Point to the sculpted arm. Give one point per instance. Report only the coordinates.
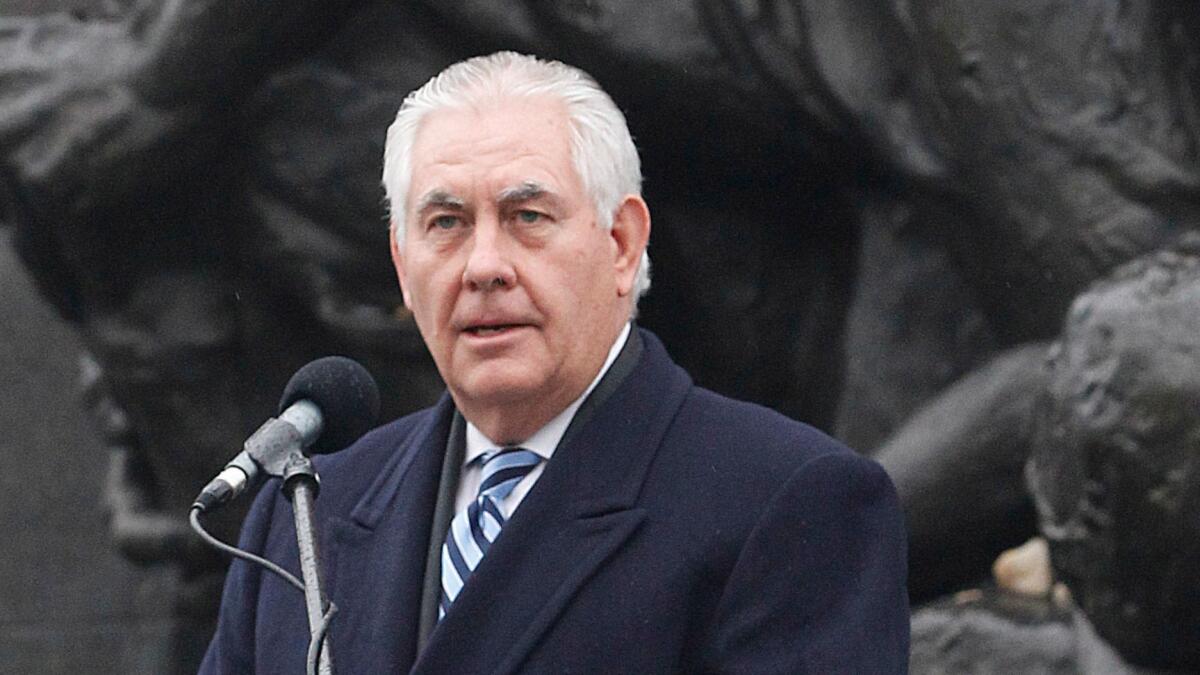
(958, 464)
(96, 114)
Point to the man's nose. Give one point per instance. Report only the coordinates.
(489, 265)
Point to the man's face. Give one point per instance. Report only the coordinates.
(517, 291)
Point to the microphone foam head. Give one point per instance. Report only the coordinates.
(346, 394)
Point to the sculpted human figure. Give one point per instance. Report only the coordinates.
(1105, 588)
(1114, 463)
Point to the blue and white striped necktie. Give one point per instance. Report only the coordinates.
(473, 530)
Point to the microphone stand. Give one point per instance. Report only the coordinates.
(300, 485)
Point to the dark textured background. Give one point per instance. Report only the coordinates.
(68, 602)
(869, 221)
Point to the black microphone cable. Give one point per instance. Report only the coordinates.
(194, 519)
(318, 637)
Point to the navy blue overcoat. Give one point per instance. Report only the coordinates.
(677, 531)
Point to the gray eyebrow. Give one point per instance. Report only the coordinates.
(440, 198)
(524, 192)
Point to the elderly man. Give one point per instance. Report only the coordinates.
(574, 504)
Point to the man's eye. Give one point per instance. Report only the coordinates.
(527, 216)
(446, 222)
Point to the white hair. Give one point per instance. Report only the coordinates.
(602, 150)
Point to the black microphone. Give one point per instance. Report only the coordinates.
(326, 406)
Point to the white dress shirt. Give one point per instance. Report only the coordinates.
(543, 442)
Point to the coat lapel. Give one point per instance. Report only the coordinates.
(378, 556)
(577, 515)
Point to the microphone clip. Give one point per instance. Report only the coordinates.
(275, 449)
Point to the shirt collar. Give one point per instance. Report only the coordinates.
(545, 440)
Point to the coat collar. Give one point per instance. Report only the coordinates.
(377, 562)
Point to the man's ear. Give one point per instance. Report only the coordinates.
(631, 233)
(398, 263)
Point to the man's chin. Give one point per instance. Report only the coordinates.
(500, 384)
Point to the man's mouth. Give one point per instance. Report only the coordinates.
(492, 329)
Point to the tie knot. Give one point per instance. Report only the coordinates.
(505, 468)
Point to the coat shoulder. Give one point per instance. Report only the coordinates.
(750, 438)
(747, 458)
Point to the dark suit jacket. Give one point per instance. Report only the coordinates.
(676, 531)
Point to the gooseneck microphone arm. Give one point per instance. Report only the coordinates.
(326, 406)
